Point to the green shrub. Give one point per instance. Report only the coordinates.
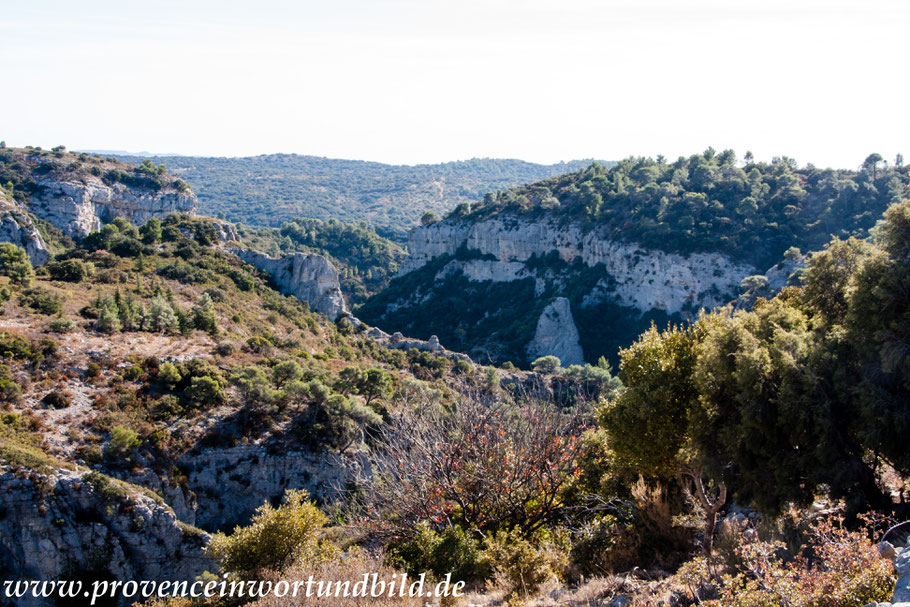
(519, 565)
(42, 300)
(276, 538)
(61, 325)
(166, 408)
(169, 375)
(69, 270)
(204, 317)
(449, 551)
(109, 489)
(14, 346)
(259, 344)
(9, 389)
(14, 262)
(123, 441)
(151, 231)
(204, 391)
(546, 364)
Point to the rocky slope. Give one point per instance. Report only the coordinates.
(307, 276)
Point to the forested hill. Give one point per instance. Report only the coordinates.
(272, 189)
(712, 202)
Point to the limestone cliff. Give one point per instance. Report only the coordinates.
(84, 204)
(644, 279)
(557, 335)
(307, 276)
(17, 227)
(63, 525)
(482, 285)
(230, 483)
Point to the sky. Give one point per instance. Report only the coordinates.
(422, 81)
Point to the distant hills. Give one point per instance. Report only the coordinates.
(272, 189)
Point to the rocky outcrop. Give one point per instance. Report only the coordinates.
(784, 273)
(60, 526)
(230, 483)
(227, 232)
(902, 588)
(307, 276)
(397, 341)
(644, 279)
(80, 207)
(17, 227)
(557, 334)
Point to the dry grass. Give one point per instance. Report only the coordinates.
(351, 569)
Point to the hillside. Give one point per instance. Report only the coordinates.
(149, 369)
(645, 240)
(272, 189)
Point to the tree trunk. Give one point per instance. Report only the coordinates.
(710, 524)
(710, 501)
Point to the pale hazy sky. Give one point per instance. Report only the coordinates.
(409, 81)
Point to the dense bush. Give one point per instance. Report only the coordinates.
(9, 389)
(61, 325)
(42, 300)
(450, 550)
(123, 441)
(14, 262)
(276, 538)
(70, 270)
(786, 400)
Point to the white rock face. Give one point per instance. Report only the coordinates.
(641, 278)
(557, 334)
(80, 207)
(307, 276)
(231, 483)
(17, 227)
(57, 523)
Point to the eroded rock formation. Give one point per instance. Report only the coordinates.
(81, 206)
(17, 227)
(557, 334)
(307, 276)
